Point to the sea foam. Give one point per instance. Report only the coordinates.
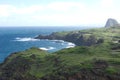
(70, 45)
(47, 48)
(25, 39)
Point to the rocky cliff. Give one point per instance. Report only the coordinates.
(77, 37)
(111, 23)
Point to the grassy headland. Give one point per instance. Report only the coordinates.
(98, 58)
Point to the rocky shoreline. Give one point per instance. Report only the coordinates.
(77, 37)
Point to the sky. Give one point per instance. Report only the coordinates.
(58, 12)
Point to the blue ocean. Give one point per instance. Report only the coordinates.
(14, 39)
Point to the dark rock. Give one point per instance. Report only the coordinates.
(101, 40)
(111, 23)
(78, 39)
(100, 64)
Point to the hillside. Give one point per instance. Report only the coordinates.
(99, 59)
(86, 37)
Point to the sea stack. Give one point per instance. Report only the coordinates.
(111, 23)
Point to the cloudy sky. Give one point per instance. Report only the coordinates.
(57, 12)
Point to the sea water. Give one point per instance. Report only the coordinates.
(14, 39)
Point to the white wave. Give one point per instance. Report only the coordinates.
(25, 39)
(43, 48)
(70, 45)
(58, 41)
(46, 49)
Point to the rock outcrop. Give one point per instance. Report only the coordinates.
(111, 23)
(78, 38)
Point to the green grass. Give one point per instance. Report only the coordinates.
(111, 70)
(38, 63)
(70, 60)
(108, 34)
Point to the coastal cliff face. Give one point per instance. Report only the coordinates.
(77, 37)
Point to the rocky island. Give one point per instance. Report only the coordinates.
(111, 23)
(96, 57)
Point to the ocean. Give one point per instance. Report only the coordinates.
(15, 39)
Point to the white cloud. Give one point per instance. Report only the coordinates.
(33, 9)
(65, 6)
(5, 10)
(60, 13)
(107, 3)
(8, 10)
(57, 18)
(29, 10)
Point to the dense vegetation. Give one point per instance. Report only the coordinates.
(100, 61)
